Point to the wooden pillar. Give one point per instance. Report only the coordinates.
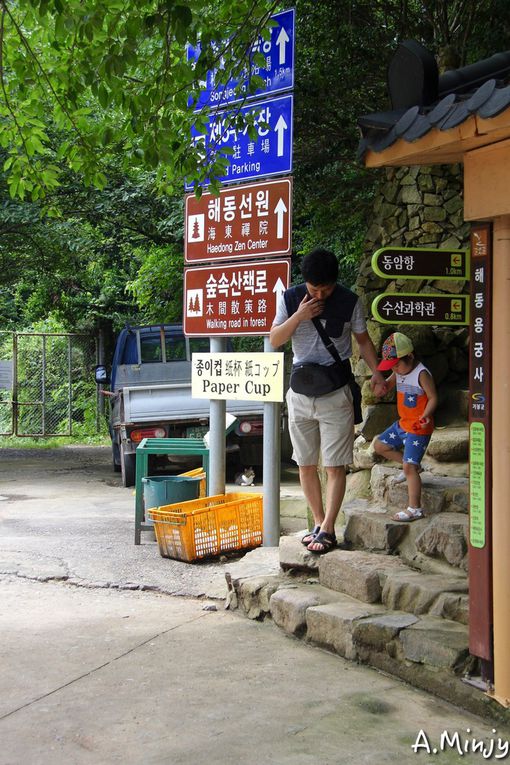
(501, 458)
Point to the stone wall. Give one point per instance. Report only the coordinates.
(418, 207)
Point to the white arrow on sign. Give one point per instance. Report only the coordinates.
(280, 211)
(280, 128)
(281, 41)
(279, 287)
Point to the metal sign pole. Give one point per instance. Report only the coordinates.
(271, 468)
(217, 427)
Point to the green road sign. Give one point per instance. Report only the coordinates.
(417, 308)
(420, 263)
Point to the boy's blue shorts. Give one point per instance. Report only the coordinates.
(414, 445)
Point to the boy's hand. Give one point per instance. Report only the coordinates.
(420, 424)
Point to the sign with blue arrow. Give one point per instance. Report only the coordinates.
(277, 72)
(270, 153)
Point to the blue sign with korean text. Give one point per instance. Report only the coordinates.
(277, 72)
(270, 153)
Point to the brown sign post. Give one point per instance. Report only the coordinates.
(233, 299)
(249, 221)
(480, 469)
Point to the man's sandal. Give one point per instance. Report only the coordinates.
(327, 542)
(310, 536)
(411, 514)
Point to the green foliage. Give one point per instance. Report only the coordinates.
(158, 286)
(84, 79)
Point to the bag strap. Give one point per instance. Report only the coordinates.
(328, 342)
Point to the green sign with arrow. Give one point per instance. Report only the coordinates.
(418, 308)
(421, 263)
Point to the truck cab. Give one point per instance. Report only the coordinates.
(149, 389)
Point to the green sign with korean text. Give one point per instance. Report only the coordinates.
(421, 263)
(477, 484)
(418, 308)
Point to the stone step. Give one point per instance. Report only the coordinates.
(356, 573)
(372, 578)
(434, 544)
(417, 632)
(419, 593)
(439, 493)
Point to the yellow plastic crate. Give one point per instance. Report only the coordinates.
(208, 526)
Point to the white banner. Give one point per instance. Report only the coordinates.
(244, 376)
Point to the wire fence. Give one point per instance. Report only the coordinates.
(47, 385)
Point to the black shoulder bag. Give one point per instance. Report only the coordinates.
(319, 379)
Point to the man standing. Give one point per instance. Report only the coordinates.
(322, 423)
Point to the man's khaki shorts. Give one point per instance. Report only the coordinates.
(322, 424)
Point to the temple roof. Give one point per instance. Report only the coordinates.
(436, 118)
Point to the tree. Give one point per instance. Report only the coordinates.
(81, 80)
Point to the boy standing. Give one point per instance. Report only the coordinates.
(407, 439)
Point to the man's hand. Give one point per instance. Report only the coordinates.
(378, 384)
(309, 308)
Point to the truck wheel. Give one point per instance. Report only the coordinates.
(116, 458)
(128, 467)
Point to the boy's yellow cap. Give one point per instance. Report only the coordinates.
(395, 347)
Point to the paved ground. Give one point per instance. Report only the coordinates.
(96, 672)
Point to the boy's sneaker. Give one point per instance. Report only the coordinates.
(401, 476)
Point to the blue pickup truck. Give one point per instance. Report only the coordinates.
(149, 389)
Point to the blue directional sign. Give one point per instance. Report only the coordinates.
(269, 154)
(278, 72)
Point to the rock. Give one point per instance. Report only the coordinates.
(356, 573)
(357, 485)
(446, 537)
(377, 418)
(450, 445)
(254, 593)
(437, 642)
(288, 606)
(294, 555)
(377, 631)
(416, 592)
(331, 625)
(373, 532)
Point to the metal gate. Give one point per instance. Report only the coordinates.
(47, 383)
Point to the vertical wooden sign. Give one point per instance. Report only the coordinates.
(480, 469)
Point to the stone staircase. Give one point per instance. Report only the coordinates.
(394, 596)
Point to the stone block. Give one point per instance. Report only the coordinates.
(331, 625)
(417, 592)
(451, 606)
(252, 595)
(356, 573)
(436, 642)
(294, 555)
(446, 537)
(364, 456)
(449, 445)
(373, 532)
(357, 485)
(288, 606)
(377, 631)
(377, 418)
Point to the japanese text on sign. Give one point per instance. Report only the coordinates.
(244, 376)
(243, 221)
(233, 299)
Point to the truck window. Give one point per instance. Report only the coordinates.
(175, 348)
(199, 345)
(150, 349)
